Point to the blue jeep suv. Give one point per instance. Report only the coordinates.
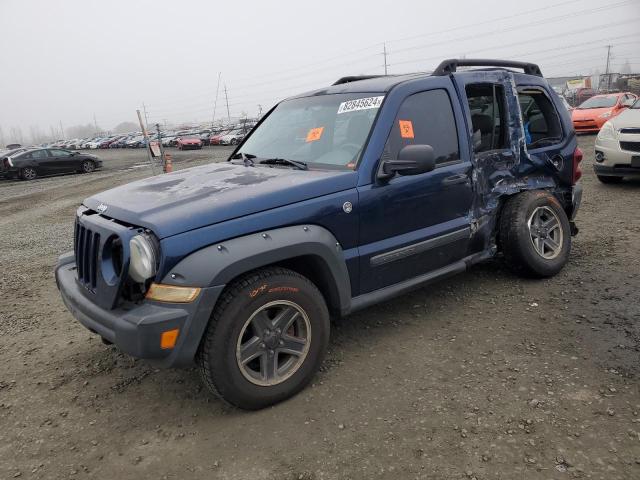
(339, 198)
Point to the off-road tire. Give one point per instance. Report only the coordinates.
(515, 236)
(216, 358)
(609, 179)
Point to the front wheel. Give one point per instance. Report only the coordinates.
(535, 234)
(266, 339)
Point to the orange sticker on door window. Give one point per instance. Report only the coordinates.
(406, 128)
(314, 134)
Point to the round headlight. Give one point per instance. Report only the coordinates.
(142, 264)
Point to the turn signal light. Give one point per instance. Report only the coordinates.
(171, 293)
(168, 339)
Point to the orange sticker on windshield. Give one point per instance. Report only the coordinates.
(406, 128)
(314, 134)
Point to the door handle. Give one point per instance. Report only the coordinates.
(455, 179)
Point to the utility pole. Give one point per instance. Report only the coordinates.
(146, 117)
(61, 130)
(606, 71)
(227, 100)
(95, 123)
(384, 53)
(215, 103)
(259, 111)
(146, 136)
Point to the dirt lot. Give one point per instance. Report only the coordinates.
(483, 376)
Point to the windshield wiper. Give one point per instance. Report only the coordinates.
(284, 161)
(247, 158)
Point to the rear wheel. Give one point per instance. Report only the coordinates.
(88, 166)
(609, 179)
(28, 173)
(266, 339)
(535, 234)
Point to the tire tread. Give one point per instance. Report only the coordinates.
(203, 356)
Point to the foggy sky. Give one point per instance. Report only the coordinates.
(66, 60)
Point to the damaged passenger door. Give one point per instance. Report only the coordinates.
(494, 127)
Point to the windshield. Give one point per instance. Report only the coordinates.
(323, 130)
(636, 105)
(599, 102)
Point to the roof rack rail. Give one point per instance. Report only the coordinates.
(355, 78)
(450, 65)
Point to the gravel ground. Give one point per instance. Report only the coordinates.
(483, 376)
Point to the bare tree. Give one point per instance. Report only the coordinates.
(15, 135)
(81, 131)
(125, 127)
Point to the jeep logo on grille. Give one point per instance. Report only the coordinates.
(102, 208)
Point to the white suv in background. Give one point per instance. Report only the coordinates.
(617, 148)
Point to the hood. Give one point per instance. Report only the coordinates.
(628, 118)
(578, 114)
(196, 197)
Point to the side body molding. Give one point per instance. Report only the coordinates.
(220, 263)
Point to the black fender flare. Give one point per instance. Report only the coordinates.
(220, 263)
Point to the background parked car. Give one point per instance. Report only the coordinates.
(592, 114)
(48, 161)
(617, 147)
(189, 142)
(232, 138)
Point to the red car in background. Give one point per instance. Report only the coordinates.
(215, 138)
(188, 143)
(591, 115)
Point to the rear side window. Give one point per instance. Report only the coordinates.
(60, 153)
(425, 118)
(36, 154)
(488, 121)
(539, 118)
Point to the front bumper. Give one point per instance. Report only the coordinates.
(616, 171)
(136, 328)
(612, 160)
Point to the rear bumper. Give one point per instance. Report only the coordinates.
(622, 171)
(136, 328)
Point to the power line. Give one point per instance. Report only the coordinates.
(492, 21)
(544, 21)
(529, 41)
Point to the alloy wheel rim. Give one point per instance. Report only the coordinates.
(29, 173)
(545, 232)
(273, 343)
(87, 167)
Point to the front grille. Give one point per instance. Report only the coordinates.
(630, 146)
(87, 247)
(630, 130)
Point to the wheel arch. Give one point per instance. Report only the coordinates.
(309, 250)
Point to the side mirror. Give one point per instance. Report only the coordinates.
(412, 160)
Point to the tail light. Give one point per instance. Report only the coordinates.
(576, 172)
